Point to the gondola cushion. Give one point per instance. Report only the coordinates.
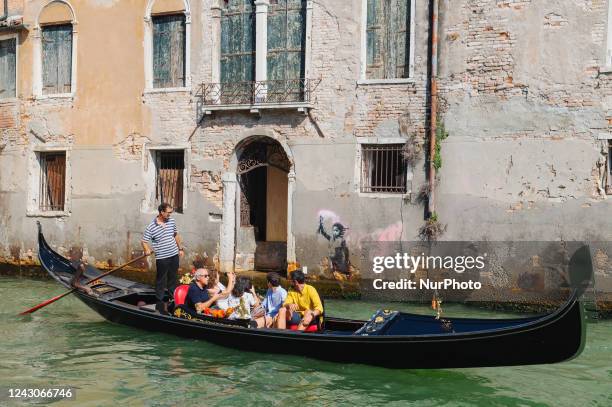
(311, 328)
(180, 293)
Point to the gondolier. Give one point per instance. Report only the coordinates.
(161, 236)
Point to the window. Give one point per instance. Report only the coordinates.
(383, 168)
(52, 181)
(170, 166)
(285, 59)
(169, 51)
(7, 68)
(237, 52)
(57, 59)
(388, 28)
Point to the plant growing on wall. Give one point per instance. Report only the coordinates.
(441, 134)
(432, 229)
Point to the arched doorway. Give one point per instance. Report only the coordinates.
(262, 174)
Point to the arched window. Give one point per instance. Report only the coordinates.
(167, 38)
(55, 60)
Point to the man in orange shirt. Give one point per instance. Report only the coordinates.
(302, 305)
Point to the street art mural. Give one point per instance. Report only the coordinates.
(337, 262)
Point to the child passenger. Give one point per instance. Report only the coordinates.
(240, 300)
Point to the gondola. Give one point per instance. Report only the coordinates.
(389, 339)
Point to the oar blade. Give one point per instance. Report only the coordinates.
(45, 303)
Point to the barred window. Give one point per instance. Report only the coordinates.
(52, 181)
(383, 169)
(170, 166)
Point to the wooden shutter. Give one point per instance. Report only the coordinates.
(387, 36)
(169, 51)
(57, 58)
(238, 41)
(374, 34)
(7, 68)
(402, 39)
(286, 45)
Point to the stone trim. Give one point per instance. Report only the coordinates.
(33, 183)
(149, 151)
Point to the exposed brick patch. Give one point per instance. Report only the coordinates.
(130, 148)
(554, 20)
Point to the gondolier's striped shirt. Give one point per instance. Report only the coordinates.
(161, 238)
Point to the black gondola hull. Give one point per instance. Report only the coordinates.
(550, 343)
(552, 338)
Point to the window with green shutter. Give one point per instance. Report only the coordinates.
(238, 41)
(388, 39)
(57, 58)
(286, 39)
(169, 51)
(7, 68)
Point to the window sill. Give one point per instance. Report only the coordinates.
(606, 69)
(398, 81)
(66, 96)
(47, 214)
(385, 195)
(167, 90)
(9, 101)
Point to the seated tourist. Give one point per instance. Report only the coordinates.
(302, 305)
(273, 301)
(198, 296)
(198, 263)
(214, 286)
(241, 301)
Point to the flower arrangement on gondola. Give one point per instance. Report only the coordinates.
(187, 278)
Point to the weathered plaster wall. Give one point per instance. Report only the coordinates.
(521, 97)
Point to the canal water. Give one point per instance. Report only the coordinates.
(66, 344)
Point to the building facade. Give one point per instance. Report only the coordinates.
(293, 131)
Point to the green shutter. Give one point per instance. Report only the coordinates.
(57, 58)
(238, 41)
(169, 51)
(374, 34)
(388, 39)
(286, 45)
(7, 68)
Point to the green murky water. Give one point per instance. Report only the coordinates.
(66, 344)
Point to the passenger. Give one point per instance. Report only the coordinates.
(273, 301)
(214, 286)
(198, 296)
(241, 301)
(198, 263)
(302, 305)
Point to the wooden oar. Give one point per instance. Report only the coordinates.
(52, 300)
